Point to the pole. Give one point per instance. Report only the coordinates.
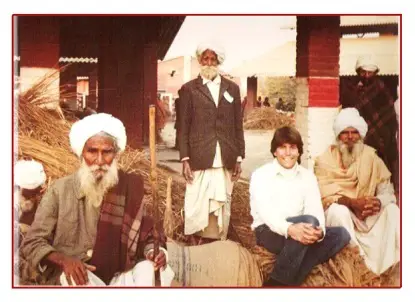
(153, 181)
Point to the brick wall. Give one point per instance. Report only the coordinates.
(318, 46)
(317, 92)
(323, 92)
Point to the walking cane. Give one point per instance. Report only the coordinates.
(153, 181)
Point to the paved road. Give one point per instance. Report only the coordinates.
(257, 149)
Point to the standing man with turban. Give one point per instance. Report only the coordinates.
(92, 220)
(357, 193)
(211, 144)
(369, 95)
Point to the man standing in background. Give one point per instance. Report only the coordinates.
(212, 146)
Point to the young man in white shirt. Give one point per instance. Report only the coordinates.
(288, 216)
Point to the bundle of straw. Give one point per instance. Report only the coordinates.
(266, 118)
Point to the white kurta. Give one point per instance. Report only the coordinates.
(378, 237)
(210, 192)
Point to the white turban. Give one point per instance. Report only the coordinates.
(214, 46)
(349, 117)
(93, 124)
(367, 63)
(29, 174)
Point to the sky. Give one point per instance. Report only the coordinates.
(242, 37)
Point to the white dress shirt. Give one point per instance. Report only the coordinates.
(278, 193)
(214, 88)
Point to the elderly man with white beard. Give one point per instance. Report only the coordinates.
(92, 220)
(357, 193)
(212, 146)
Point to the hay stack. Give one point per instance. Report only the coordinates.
(44, 137)
(266, 118)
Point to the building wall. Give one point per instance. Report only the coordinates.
(184, 71)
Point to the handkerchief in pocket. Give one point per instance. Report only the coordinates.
(228, 97)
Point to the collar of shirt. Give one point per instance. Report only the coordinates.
(288, 173)
(216, 80)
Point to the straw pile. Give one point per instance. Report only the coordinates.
(266, 118)
(44, 137)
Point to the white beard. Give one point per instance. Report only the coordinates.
(93, 188)
(25, 205)
(348, 157)
(209, 72)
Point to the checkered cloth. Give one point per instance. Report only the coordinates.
(123, 231)
(376, 106)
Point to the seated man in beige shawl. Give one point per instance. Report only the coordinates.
(357, 193)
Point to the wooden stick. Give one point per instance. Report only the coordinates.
(168, 223)
(153, 181)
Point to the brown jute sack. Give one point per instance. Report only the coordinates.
(219, 264)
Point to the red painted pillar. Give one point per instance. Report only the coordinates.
(318, 50)
(38, 48)
(67, 83)
(93, 88)
(78, 44)
(252, 87)
(150, 85)
(121, 75)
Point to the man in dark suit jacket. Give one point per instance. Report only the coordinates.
(211, 144)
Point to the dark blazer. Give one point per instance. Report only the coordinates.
(202, 124)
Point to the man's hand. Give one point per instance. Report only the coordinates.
(357, 205)
(187, 172)
(372, 207)
(365, 206)
(237, 170)
(159, 261)
(71, 267)
(305, 233)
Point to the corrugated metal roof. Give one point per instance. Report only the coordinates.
(78, 60)
(281, 61)
(367, 20)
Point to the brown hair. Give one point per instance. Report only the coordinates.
(287, 135)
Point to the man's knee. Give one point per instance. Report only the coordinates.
(392, 209)
(338, 212)
(343, 235)
(310, 219)
(304, 219)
